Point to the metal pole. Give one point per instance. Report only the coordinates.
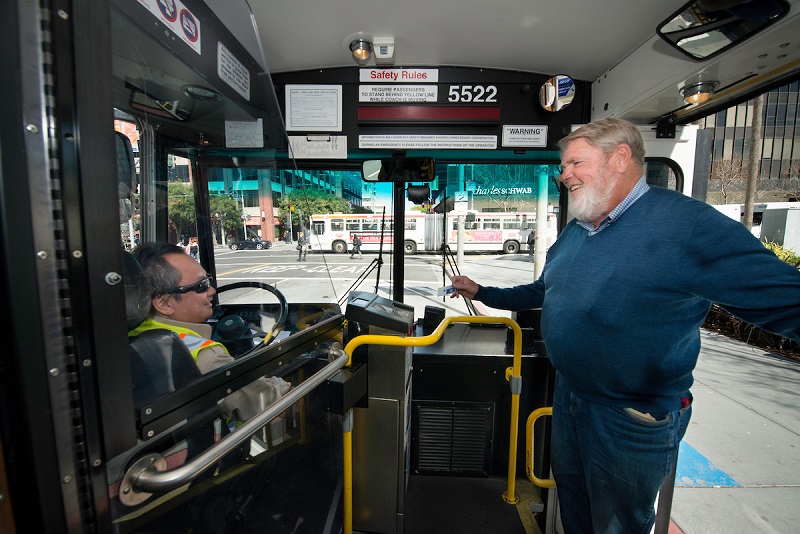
(540, 243)
(460, 241)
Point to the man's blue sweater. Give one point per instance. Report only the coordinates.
(622, 309)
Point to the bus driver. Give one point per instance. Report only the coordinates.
(181, 294)
(623, 293)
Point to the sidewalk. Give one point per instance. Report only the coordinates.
(738, 467)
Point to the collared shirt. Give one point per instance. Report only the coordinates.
(638, 190)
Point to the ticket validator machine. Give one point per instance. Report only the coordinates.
(381, 429)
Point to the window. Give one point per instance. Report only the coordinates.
(337, 225)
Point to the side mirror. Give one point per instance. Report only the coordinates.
(399, 170)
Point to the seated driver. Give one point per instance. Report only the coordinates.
(181, 294)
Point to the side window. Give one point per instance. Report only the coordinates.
(491, 224)
(662, 172)
(337, 225)
(371, 225)
(353, 224)
(318, 227)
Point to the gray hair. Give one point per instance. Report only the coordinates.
(159, 275)
(608, 134)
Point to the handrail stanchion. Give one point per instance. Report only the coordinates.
(536, 414)
(513, 375)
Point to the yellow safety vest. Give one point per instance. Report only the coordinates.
(194, 341)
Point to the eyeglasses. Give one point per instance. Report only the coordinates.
(201, 286)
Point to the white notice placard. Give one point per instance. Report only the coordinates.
(233, 72)
(314, 108)
(525, 135)
(244, 134)
(318, 146)
(398, 93)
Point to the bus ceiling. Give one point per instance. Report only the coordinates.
(204, 81)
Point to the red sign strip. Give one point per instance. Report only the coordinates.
(428, 114)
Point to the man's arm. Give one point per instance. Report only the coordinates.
(522, 297)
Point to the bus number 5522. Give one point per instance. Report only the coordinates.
(472, 93)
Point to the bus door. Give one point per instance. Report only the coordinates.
(111, 424)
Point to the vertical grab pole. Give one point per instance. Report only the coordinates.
(347, 451)
(514, 377)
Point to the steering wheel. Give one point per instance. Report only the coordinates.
(284, 307)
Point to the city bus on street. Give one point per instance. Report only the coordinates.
(127, 123)
(505, 232)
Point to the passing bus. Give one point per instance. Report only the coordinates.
(505, 232)
(334, 232)
(130, 122)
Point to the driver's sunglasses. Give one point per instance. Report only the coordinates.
(201, 286)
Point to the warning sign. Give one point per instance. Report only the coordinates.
(398, 93)
(186, 26)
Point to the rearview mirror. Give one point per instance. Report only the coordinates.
(399, 170)
(704, 28)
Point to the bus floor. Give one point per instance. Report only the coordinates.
(460, 505)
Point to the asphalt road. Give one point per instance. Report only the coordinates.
(330, 277)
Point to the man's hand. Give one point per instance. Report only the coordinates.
(464, 287)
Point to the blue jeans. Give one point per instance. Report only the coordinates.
(610, 462)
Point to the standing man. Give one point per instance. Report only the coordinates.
(181, 295)
(302, 246)
(531, 242)
(623, 294)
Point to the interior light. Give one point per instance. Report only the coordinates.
(362, 50)
(697, 93)
(198, 92)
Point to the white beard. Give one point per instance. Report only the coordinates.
(592, 203)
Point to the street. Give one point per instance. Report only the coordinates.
(329, 277)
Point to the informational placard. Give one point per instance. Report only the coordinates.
(318, 146)
(480, 142)
(244, 134)
(398, 93)
(530, 136)
(233, 72)
(314, 108)
(399, 75)
(179, 19)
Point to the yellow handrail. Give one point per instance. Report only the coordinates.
(513, 375)
(536, 414)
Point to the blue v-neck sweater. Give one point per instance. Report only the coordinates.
(622, 308)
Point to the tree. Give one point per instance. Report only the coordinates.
(726, 177)
(181, 208)
(182, 217)
(310, 202)
(226, 214)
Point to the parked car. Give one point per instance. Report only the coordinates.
(251, 244)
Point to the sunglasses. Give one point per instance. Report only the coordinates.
(201, 286)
